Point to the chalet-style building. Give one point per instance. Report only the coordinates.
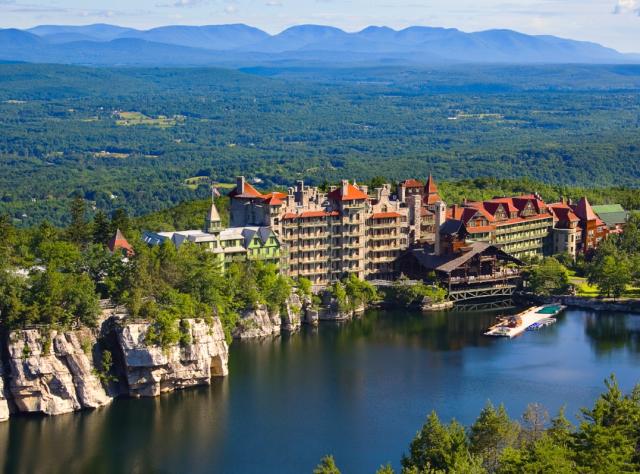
(234, 244)
(468, 270)
(520, 226)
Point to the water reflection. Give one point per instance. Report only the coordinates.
(613, 331)
(128, 436)
(358, 390)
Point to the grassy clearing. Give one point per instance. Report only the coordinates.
(128, 119)
(108, 154)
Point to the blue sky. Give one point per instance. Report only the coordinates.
(614, 23)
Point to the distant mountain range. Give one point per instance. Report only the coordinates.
(243, 45)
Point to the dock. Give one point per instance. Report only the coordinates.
(515, 325)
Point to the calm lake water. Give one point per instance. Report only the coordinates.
(359, 391)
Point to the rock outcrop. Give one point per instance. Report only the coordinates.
(290, 316)
(152, 370)
(53, 373)
(258, 322)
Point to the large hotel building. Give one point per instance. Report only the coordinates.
(352, 229)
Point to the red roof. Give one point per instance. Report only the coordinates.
(563, 212)
(118, 242)
(353, 194)
(275, 198)
(584, 210)
(412, 183)
(249, 192)
(431, 191)
(385, 215)
(431, 187)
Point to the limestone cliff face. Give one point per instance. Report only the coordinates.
(151, 370)
(258, 322)
(51, 373)
(291, 320)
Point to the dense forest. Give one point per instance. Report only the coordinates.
(133, 138)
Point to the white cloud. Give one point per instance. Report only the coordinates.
(274, 3)
(627, 6)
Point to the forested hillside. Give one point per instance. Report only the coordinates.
(133, 138)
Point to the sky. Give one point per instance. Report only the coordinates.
(613, 23)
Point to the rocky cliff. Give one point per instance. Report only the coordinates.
(53, 373)
(151, 370)
(260, 322)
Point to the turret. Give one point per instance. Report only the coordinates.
(213, 224)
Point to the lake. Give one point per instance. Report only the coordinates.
(359, 391)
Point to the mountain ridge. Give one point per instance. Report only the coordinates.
(243, 45)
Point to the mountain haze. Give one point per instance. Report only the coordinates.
(244, 45)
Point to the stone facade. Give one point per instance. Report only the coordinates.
(344, 231)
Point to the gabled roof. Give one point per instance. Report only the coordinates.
(584, 210)
(249, 193)
(118, 242)
(412, 183)
(563, 212)
(353, 193)
(448, 263)
(611, 214)
(451, 227)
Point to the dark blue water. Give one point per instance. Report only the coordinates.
(359, 391)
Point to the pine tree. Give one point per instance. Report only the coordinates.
(491, 433)
(327, 466)
(78, 231)
(101, 228)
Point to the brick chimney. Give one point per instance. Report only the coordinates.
(345, 186)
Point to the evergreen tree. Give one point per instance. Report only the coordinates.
(609, 434)
(120, 220)
(438, 447)
(327, 466)
(101, 228)
(491, 433)
(78, 231)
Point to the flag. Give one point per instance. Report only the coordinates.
(214, 192)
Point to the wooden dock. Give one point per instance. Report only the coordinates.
(515, 325)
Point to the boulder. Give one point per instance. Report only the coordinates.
(151, 370)
(53, 373)
(258, 322)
